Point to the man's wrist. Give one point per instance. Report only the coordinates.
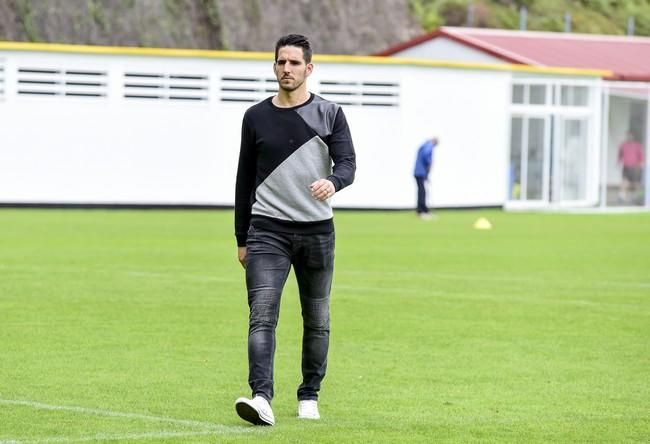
(241, 239)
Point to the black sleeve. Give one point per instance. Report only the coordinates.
(342, 153)
(245, 185)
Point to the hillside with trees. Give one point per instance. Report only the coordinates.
(335, 26)
(586, 16)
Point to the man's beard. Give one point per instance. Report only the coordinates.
(292, 88)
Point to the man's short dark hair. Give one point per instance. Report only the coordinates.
(295, 40)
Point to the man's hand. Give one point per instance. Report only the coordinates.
(322, 189)
(241, 252)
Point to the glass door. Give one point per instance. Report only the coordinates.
(570, 161)
(625, 147)
(529, 158)
(554, 144)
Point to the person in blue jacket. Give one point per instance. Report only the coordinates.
(423, 163)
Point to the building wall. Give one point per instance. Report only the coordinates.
(113, 149)
(468, 111)
(443, 48)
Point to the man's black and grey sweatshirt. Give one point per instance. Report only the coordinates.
(283, 151)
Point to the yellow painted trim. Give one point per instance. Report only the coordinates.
(128, 50)
(463, 65)
(268, 56)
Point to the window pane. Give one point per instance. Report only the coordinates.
(515, 158)
(575, 96)
(535, 170)
(537, 94)
(518, 94)
(572, 160)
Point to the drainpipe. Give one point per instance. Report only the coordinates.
(567, 22)
(630, 25)
(604, 143)
(647, 149)
(470, 15)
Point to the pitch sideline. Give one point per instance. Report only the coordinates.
(109, 437)
(206, 428)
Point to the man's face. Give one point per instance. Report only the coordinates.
(290, 68)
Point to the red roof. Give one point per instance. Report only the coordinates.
(627, 56)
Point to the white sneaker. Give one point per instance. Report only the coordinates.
(256, 411)
(308, 409)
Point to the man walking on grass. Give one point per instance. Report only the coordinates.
(283, 218)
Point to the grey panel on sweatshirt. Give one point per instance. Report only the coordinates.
(285, 193)
(319, 115)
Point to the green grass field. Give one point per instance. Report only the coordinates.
(130, 326)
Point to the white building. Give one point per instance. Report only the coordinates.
(84, 125)
(558, 156)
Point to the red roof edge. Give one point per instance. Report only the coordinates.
(441, 32)
(629, 77)
(409, 43)
(506, 56)
(483, 48)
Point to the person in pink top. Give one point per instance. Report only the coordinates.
(630, 156)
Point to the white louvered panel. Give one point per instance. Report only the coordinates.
(2, 79)
(142, 85)
(360, 93)
(39, 81)
(341, 99)
(187, 87)
(46, 81)
(164, 86)
(85, 83)
(246, 89)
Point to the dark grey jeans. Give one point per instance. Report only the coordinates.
(422, 195)
(269, 256)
